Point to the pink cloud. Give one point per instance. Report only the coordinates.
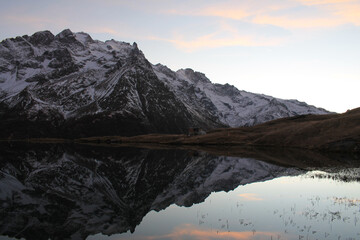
(291, 22)
(212, 41)
(250, 197)
(188, 230)
(333, 12)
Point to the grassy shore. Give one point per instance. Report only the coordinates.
(333, 133)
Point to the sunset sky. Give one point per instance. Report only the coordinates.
(293, 49)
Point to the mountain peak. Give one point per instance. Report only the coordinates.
(66, 33)
(193, 75)
(84, 38)
(73, 40)
(42, 37)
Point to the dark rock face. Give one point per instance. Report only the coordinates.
(71, 191)
(41, 38)
(69, 85)
(67, 37)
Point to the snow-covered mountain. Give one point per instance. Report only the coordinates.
(228, 104)
(70, 192)
(70, 85)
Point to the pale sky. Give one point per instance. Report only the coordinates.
(292, 49)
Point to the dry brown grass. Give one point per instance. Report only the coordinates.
(339, 132)
(311, 131)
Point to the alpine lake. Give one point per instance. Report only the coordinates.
(78, 191)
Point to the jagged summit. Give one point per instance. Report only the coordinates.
(66, 33)
(71, 85)
(43, 37)
(193, 76)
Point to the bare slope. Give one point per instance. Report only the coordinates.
(336, 131)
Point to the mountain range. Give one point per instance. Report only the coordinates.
(69, 85)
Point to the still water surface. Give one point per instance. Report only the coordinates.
(81, 192)
(298, 207)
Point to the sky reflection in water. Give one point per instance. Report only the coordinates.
(301, 207)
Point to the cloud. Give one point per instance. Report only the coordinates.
(345, 11)
(317, 14)
(291, 22)
(350, 13)
(188, 230)
(224, 34)
(250, 197)
(324, 2)
(226, 12)
(214, 41)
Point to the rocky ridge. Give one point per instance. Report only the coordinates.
(70, 85)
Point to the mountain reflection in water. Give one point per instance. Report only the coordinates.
(77, 192)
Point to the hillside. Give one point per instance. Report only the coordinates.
(333, 132)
